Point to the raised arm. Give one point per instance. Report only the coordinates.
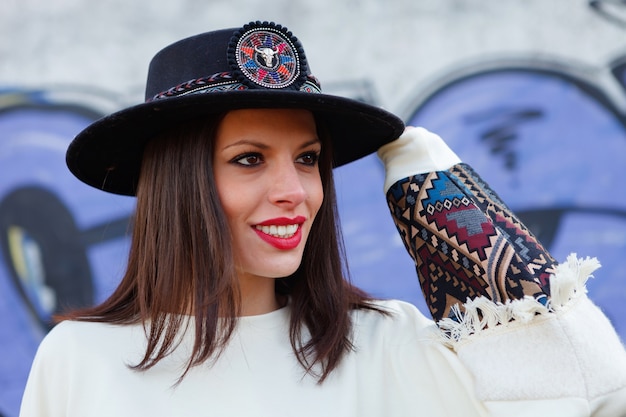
(520, 322)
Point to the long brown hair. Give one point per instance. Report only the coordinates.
(181, 245)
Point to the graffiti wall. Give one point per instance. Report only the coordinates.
(62, 245)
(548, 133)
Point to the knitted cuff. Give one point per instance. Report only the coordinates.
(416, 151)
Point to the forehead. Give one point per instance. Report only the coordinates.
(277, 118)
(267, 124)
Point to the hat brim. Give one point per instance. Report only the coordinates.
(107, 154)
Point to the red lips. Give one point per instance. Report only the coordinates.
(282, 232)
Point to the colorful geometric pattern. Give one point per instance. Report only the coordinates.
(223, 81)
(466, 242)
(268, 57)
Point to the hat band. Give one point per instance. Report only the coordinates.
(224, 81)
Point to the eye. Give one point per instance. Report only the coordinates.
(309, 158)
(249, 159)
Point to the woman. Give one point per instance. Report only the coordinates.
(234, 301)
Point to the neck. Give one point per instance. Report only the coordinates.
(258, 296)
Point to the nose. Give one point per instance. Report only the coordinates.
(286, 187)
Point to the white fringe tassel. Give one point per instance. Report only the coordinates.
(567, 284)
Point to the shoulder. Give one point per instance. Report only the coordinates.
(395, 311)
(403, 342)
(63, 337)
(76, 339)
(70, 330)
(84, 351)
(395, 322)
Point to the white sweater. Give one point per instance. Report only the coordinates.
(398, 368)
(81, 370)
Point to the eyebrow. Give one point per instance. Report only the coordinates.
(262, 145)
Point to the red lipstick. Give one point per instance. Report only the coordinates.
(284, 240)
(283, 221)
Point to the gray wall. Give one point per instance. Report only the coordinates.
(397, 45)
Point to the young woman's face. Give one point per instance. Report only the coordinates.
(268, 180)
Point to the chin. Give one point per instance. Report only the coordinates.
(282, 273)
(279, 271)
(270, 265)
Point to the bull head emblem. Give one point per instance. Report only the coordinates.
(267, 54)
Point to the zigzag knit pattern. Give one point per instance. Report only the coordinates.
(466, 243)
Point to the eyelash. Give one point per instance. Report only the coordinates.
(313, 155)
(238, 159)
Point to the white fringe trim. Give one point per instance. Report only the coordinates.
(481, 314)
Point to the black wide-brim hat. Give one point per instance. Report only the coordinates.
(261, 65)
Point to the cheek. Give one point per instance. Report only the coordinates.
(316, 195)
(230, 197)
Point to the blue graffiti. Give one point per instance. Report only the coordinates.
(62, 245)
